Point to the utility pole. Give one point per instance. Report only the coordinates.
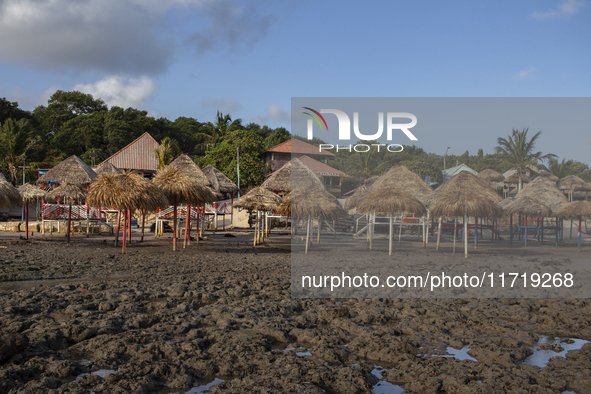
(238, 166)
(444, 167)
(24, 169)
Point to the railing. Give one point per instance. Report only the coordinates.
(61, 211)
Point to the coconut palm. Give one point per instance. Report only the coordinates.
(559, 169)
(223, 125)
(166, 152)
(518, 151)
(12, 143)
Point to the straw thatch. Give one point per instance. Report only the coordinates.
(67, 193)
(107, 168)
(9, 195)
(461, 180)
(30, 193)
(188, 166)
(72, 171)
(466, 194)
(126, 191)
(586, 187)
(570, 180)
(503, 204)
(491, 176)
(179, 188)
(219, 182)
(356, 198)
(284, 209)
(514, 179)
(527, 207)
(390, 199)
(259, 199)
(545, 192)
(294, 174)
(576, 209)
(549, 176)
(315, 203)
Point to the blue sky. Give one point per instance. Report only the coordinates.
(193, 57)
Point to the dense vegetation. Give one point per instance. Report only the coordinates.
(77, 123)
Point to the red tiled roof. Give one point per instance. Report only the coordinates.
(296, 146)
(321, 168)
(138, 155)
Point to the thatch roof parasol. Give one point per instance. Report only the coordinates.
(570, 180)
(514, 179)
(315, 203)
(284, 209)
(549, 176)
(219, 182)
(294, 174)
(179, 187)
(30, 193)
(390, 200)
(353, 200)
(107, 168)
(545, 192)
(573, 210)
(126, 191)
(490, 176)
(466, 194)
(66, 192)
(9, 195)
(259, 199)
(586, 187)
(188, 166)
(528, 207)
(72, 171)
(506, 202)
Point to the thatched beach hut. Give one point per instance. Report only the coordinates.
(389, 199)
(107, 168)
(294, 174)
(465, 195)
(490, 176)
(261, 200)
(549, 176)
(525, 206)
(72, 171)
(570, 183)
(219, 182)
(9, 195)
(576, 210)
(181, 184)
(352, 201)
(69, 194)
(29, 193)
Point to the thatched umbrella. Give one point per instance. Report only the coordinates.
(490, 176)
(390, 199)
(584, 188)
(221, 185)
(126, 191)
(72, 171)
(284, 209)
(466, 195)
(261, 200)
(9, 195)
(69, 194)
(107, 168)
(574, 210)
(179, 187)
(514, 179)
(549, 176)
(294, 174)
(29, 193)
(527, 206)
(352, 201)
(192, 170)
(569, 181)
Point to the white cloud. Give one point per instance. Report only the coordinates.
(119, 91)
(136, 37)
(274, 113)
(224, 105)
(28, 100)
(526, 74)
(566, 8)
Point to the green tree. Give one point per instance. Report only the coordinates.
(215, 132)
(223, 157)
(518, 151)
(560, 169)
(13, 140)
(11, 110)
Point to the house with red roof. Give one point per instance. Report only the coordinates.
(313, 157)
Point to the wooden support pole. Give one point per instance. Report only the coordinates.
(438, 233)
(466, 235)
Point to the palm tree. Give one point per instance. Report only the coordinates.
(223, 125)
(518, 151)
(12, 146)
(559, 169)
(166, 152)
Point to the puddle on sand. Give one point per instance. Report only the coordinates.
(541, 357)
(458, 354)
(383, 387)
(300, 351)
(103, 373)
